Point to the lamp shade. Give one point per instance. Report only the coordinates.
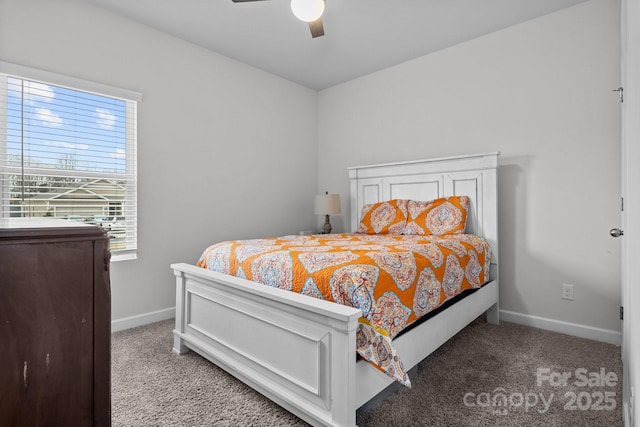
(327, 204)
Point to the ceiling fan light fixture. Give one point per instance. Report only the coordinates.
(307, 10)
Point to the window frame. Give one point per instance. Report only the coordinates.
(131, 99)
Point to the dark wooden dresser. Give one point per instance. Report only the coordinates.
(55, 324)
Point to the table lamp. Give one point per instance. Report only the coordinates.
(327, 204)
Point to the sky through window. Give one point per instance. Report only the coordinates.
(65, 128)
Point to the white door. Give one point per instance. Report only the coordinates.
(618, 233)
(630, 217)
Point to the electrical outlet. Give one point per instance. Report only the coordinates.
(567, 291)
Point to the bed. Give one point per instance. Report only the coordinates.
(300, 351)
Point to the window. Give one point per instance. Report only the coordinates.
(68, 151)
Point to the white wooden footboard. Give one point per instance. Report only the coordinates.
(296, 350)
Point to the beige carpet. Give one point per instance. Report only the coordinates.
(455, 386)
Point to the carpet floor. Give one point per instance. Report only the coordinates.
(487, 375)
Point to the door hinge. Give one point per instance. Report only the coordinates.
(621, 313)
(622, 204)
(620, 91)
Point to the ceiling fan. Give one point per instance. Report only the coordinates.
(305, 10)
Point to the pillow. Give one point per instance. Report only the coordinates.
(388, 217)
(447, 215)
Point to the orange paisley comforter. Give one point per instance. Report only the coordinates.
(393, 279)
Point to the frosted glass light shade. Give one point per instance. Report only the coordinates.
(327, 204)
(307, 10)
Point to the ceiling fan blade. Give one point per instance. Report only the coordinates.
(316, 27)
(243, 1)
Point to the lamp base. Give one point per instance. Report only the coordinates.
(327, 226)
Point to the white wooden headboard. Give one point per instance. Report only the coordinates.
(472, 175)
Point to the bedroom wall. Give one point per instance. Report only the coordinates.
(216, 138)
(540, 93)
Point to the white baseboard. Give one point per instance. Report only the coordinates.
(575, 329)
(142, 319)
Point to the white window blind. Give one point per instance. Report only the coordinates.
(68, 152)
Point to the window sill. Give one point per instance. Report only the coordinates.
(124, 255)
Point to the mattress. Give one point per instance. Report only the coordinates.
(393, 279)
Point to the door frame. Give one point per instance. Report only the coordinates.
(630, 73)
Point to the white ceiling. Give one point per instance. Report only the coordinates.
(362, 36)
